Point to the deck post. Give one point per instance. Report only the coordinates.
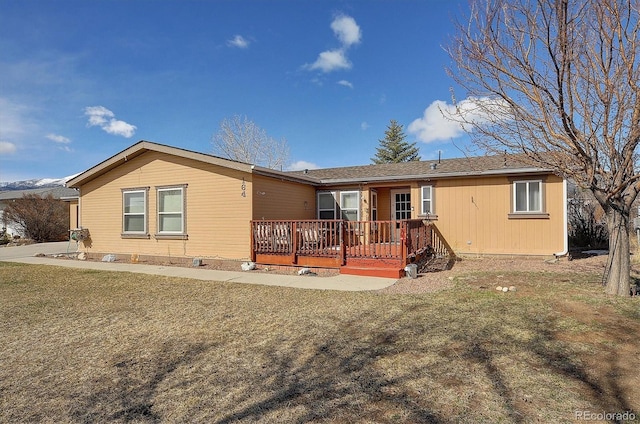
(294, 240)
(253, 242)
(403, 241)
(343, 248)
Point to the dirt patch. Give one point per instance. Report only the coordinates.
(434, 281)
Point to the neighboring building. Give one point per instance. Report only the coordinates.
(153, 199)
(62, 193)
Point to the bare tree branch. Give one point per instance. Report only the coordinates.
(241, 139)
(558, 81)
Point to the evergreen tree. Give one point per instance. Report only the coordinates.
(393, 148)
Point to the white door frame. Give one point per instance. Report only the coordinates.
(407, 212)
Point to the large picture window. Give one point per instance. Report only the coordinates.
(134, 212)
(171, 210)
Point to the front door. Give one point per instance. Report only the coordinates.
(400, 209)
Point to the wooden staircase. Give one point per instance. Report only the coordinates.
(371, 267)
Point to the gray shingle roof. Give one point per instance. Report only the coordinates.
(56, 192)
(459, 167)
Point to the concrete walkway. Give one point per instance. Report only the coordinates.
(26, 254)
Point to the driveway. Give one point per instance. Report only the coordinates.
(30, 250)
(26, 254)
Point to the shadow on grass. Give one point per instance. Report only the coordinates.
(423, 363)
(129, 396)
(342, 378)
(338, 381)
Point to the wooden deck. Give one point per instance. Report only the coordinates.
(373, 248)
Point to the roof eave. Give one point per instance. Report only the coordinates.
(395, 178)
(145, 146)
(268, 172)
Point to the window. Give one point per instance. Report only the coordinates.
(134, 212)
(326, 205)
(171, 210)
(350, 205)
(426, 194)
(374, 205)
(527, 196)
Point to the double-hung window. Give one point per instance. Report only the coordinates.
(426, 200)
(350, 205)
(326, 205)
(527, 199)
(527, 196)
(134, 212)
(171, 211)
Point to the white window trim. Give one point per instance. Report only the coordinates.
(182, 208)
(357, 208)
(324, 193)
(528, 208)
(374, 205)
(145, 213)
(430, 199)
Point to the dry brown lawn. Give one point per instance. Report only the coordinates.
(90, 346)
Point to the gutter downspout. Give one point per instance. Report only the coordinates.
(566, 221)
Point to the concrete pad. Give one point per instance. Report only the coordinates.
(25, 254)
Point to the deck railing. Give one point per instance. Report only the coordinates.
(341, 239)
(374, 239)
(286, 237)
(439, 243)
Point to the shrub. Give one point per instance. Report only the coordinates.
(41, 219)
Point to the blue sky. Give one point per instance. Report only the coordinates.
(83, 80)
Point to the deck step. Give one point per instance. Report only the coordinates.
(372, 271)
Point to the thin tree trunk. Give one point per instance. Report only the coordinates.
(617, 274)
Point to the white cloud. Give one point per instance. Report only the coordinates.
(330, 60)
(434, 126)
(348, 33)
(122, 128)
(98, 115)
(439, 119)
(7, 148)
(58, 138)
(347, 30)
(345, 83)
(301, 165)
(104, 118)
(364, 126)
(238, 41)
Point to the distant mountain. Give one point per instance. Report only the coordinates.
(36, 183)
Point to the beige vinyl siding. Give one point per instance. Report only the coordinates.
(473, 215)
(278, 199)
(73, 214)
(476, 210)
(217, 215)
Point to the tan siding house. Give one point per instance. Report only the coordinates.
(152, 199)
(216, 200)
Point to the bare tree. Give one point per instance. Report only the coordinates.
(241, 139)
(41, 219)
(558, 80)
